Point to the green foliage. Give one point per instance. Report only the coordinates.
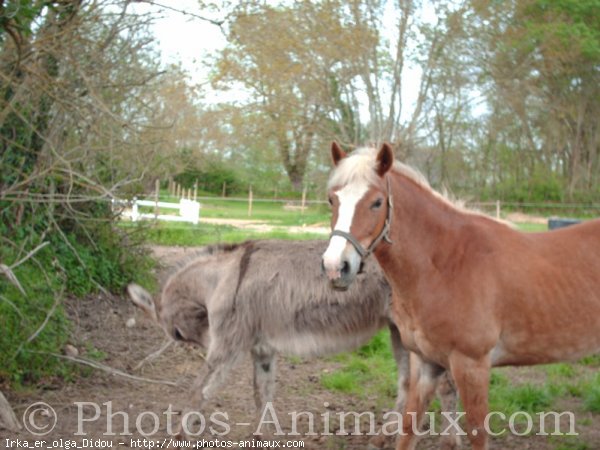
(78, 259)
(23, 359)
(211, 178)
(566, 27)
(540, 186)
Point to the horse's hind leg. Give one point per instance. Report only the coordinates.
(402, 357)
(263, 358)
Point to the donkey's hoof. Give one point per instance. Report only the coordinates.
(380, 442)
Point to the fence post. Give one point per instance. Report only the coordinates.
(135, 213)
(177, 189)
(250, 201)
(156, 193)
(224, 189)
(303, 205)
(196, 191)
(498, 209)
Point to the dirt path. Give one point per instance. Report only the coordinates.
(84, 406)
(257, 225)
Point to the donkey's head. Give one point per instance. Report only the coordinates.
(359, 195)
(182, 316)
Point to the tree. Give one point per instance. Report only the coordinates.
(297, 81)
(541, 59)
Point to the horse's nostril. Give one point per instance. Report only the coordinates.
(345, 268)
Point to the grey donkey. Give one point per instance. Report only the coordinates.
(268, 297)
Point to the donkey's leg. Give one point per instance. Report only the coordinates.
(472, 379)
(423, 380)
(263, 357)
(402, 357)
(446, 392)
(213, 374)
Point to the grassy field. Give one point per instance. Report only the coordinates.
(370, 371)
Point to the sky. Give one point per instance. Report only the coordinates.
(182, 38)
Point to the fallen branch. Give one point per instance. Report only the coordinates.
(152, 356)
(7, 416)
(108, 369)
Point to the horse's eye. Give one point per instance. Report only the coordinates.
(377, 204)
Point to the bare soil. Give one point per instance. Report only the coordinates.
(100, 329)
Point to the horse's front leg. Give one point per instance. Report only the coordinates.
(472, 378)
(402, 358)
(263, 358)
(423, 380)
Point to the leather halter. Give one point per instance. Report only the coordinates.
(384, 234)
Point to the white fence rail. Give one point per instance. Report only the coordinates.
(189, 210)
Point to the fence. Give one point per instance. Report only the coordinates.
(189, 210)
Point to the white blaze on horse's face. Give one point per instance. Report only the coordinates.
(356, 185)
(340, 255)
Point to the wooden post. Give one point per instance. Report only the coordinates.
(498, 209)
(196, 191)
(303, 201)
(156, 193)
(250, 202)
(224, 189)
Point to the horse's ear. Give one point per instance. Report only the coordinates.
(337, 154)
(142, 298)
(385, 159)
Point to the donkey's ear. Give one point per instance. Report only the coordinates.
(337, 154)
(385, 159)
(142, 299)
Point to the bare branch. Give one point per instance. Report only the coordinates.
(108, 369)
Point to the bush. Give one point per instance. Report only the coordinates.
(211, 178)
(80, 257)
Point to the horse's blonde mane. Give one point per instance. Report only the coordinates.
(359, 167)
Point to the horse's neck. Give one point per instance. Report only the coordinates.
(422, 223)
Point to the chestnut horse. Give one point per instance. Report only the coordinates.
(469, 292)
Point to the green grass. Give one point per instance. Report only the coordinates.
(273, 212)
(368, 371)
(532, 227)
(164, 233)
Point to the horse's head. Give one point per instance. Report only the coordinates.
(360, 199)
(182, 318)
